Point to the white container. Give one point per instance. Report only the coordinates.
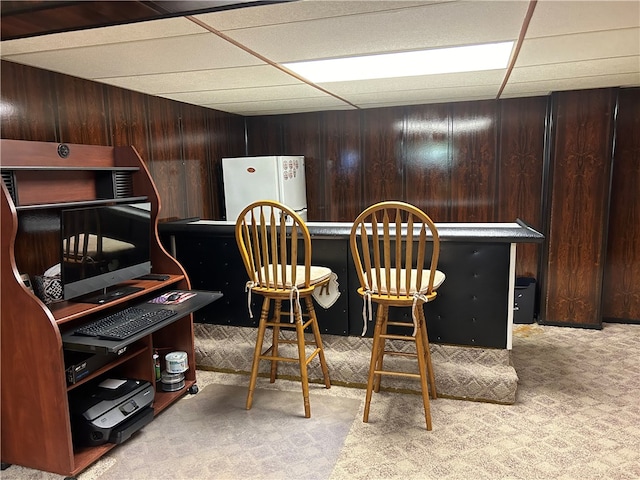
(176, 362)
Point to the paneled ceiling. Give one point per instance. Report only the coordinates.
(218, 56)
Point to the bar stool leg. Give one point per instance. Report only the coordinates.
(427, 350)
(275, 339)
(383, 313)
(318, 339)
(422, 367)
(302, 360)
(262, 327)
(375, 348)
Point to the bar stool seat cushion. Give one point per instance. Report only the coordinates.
(317, 275)
(394, 290)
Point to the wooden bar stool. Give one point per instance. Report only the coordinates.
(275, 246)
(389, 243)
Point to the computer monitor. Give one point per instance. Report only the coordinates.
(103, 246)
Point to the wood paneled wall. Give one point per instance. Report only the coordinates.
(181, 144)
(621, 291)
(462, 162)
(520, 172)
(546, 160)
(579, 192)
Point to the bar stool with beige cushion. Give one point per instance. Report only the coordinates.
(389, 244)
(275, 246)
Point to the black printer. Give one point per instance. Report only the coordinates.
(110, 411)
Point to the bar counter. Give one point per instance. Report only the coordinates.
(474, 306)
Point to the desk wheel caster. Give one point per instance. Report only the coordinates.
(193, 389)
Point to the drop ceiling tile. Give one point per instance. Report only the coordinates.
(439, 99)
(426, 95)
(218, 79)
(299, 11)
(282, 106)
(569, 70)
(567, 17)
(428, 26)
(451, 80)
(578, 47)
(583, 83)
(289, 111)
(237, 95)
(188, 53)
(165, 28)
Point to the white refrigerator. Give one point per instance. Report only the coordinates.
(280, 178)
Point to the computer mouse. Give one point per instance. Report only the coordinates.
(173, 296)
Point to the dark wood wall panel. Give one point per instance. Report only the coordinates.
(179, 143)
(428, 160)
(520, 171)
(226, 136)
(264, 135)
(127, 111)
(194, 158)
(28, 104)
(621, 290)
(473, 177)
(382, 155)
(303, 138)
(138, 114)
(342, 165)
(165, 156)
(83, 121)
(579, 189)
(408, 153)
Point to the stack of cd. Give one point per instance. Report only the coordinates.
(172, 382)
(173, 376)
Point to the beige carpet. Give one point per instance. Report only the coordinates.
(576, 416)
(483, 374)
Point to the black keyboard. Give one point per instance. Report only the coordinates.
(125, 323)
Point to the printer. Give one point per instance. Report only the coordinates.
(111, 411)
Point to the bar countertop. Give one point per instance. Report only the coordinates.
(498, 232)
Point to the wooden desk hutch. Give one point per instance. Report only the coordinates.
(40, 179)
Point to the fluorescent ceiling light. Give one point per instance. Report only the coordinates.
(470, 58)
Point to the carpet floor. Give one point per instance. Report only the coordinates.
(481, 374)
(576, 416)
